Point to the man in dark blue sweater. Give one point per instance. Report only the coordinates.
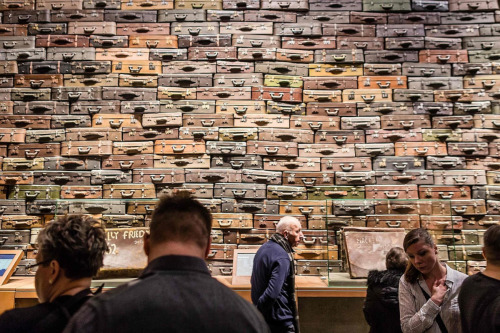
(273, 277)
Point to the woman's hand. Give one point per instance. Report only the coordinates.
(439, 289)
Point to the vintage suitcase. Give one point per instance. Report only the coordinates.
(178, 147)
(232, 221)
(212, 176)
(21, 221)
(205, 191)
(304, 207)
(483, 107)
(132, 148)
(468, 148)
(185, 80)
(459, 178)
(188, 106)
(198, 4)
(471, 207)
(354, 30)
(488, 163)
(419, 177)
(81, 134)
(35, 192)
(335, 192)
(181, 15)
(128, 191)
(346, 164)
(261, 177)
(25, 121)
(225, 15)
(398, 163)
(131, 56)
(17, 42)
(240, 191)
(128, 162)
(420, 149)
(407, 221)
(472, 69)
(36, 81)
(391, 192)
(453, 122)
(64, 163)
(435, 84)
(292, 5)
(340, 5)
(250, 206)
(236, 134)
(81, 192)
(238, 162)
(353, 207)
(465, 252)
(442, 43)
(223, 93)
(138, 134)
(198, 133)
(15, 135)
(390, 57)
(99, 177)
(443, 163)
(355, 178)
(436, 222)
(333, 136)
(32, 151)
(62, 178)
(357, 123)
(26, 94)
(308, 179)
(18, 164)
(14, 237)
(444, 56)
(469, 5)
(16, 178)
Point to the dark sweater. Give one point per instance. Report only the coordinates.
(479, 302)
(35, 318)
(381, 307)
(272, 289)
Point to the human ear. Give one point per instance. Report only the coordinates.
(55, 270)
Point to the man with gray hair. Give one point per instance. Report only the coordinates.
(273, 277)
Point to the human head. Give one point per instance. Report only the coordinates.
(180, 219)
(396, 259)
(291, 229)
(422, 254)
(491, 249)
(71, 248)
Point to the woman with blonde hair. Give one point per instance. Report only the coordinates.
(428, 291)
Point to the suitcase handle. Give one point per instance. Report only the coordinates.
(427, 72)
(341, 140)
(292, 165)
(473, 6)
(335, 70)
(194, 32)
(309, 242)
(3, 240)
(207, 123)
(62, 41)
(212, 254)
(489, 222)
(127, 195)
(305, 211)
(226, 271)
(70, 163)
(23, 165)
(297, 31)
(326, 151)
(403, 207)
(180, 17)
(74, 95)
(471, 252)
(68, 56)
(224, 224)
(271, 150)
(152, 44)
(278, 96)
(126, 166)
(238, 84)
(380, 71)
(400, 167)
(487, 85)
(36, 84)
(443, 58)
(284, 5)
(239, 194)
(368, 98)
(458, 210)
(403, 178)
(235, 165)
(22, 122)
(484, 46)
(146, 4)
(180, 149)
(346, 168)
(386, 6)
(211, 55)
(421, 151)
(90, 68)
(186, 107)
(240, 111)
(9, 45)
(335, 193)
(115, 124)
(460, 180)
(89, 81)
(256, 43)
(400, 32)
(81, 193)
(30, 154)
(495, 123)
(69, 123)
(469, 150)
(31, 195)
(132, 150)
(82, 150)
(61, 179)
(446, 196)
(223, 94)
(394, 195)
(308, 183)
(315, 127)
(134, 70)
(46, 207)
(92, 135)
(397, 224)
(212, 177)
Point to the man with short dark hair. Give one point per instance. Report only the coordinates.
(175, 293)
(273, 277)
(479, 298)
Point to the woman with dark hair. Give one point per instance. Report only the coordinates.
(381, 306)
(70, 252)
(428, 291)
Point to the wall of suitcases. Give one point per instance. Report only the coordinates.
(257, 108)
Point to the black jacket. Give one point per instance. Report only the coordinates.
(381, 307)
(174, 294)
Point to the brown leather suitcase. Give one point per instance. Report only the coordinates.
(468, 148)
(381, 69)
(452, 122)
(407, 221)
(472, 207)
(208, 120)
(261, 176)
(149, 4)
(162, 120)
(194, 28)
(125, 94)
(62, 41)
(233, 67)
(177, 93)
(385, 108)
(36, 81)
(414, 17)
(240, 191)
(25, 94)
(335, 192)
(326, 150)
(382, 82)
(153, 41)
(272, 148)
(262, 120)
(472, 69)
(128, 56)
(16, 177)
(237, 80)
(139, 134)
(345, 164)
(137, 67)
(109, 41)
(17, 164)
(86, 148)
(163, 147)
(115, 121)
(308, 179)
(353, 30)
(64, 163)
(444, 192)
(418, 177)
(198, 133)
(12, 136)
(213, 176)
(468, 5)
(225, 15)
(300, 5)
(277, 94)
(359, 123)
(232, 221)
(256, 54)
(25, 121)
(187, 106)
(205, 191)
(209, 40)
(330, 109)
(132, 148)
(433, 222)
(391, 192)
(226, 148)
(459, 178)
(488, 163)
(70, 121)
(148, 81)
(128, 162)
(212, 53)
(34, 150)
(363, 43)
(308, 43)
(238, 162)
(183, 161)
(335, 70)
(355, 178)
(286, 135)
(353, 207)
(240, 107)
(224, 93)
(287, 164)
(81, 192)
(128, 191)
(443, 56)
(85, 67)
(81, 134)
(404, 43)
(426, 69)
(420, 149)
(281, 68)
(405, 122)
(62, 178)
(330, 83)
(391, 56)
(366, 95)
(333, 136)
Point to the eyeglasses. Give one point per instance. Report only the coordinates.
(41, 263)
